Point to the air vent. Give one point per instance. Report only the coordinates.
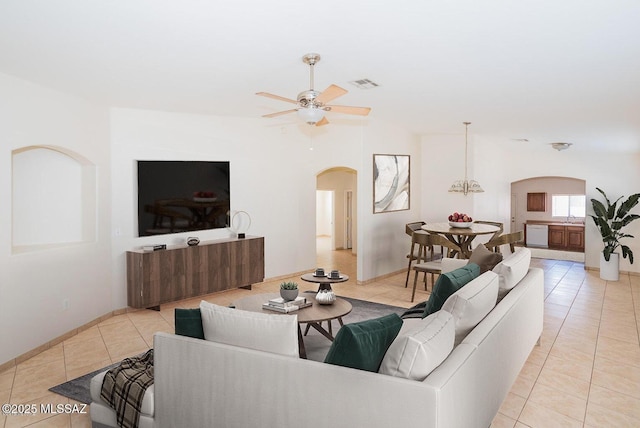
(364, 84)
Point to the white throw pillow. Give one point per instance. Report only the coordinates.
(472, 303)
(512, 269)
(264, 332)
(414, 354)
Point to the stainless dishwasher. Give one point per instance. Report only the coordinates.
(538, 235)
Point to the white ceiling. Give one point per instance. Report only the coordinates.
(545, 70)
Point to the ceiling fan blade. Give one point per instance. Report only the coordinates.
(280, 113)
(361, 111)
(276, 97)
(322, 121)
(331, 93)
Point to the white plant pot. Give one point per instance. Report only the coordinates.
(610, 270)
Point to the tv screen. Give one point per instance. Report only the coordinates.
(182, 196)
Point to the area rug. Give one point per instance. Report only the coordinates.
(316, 346)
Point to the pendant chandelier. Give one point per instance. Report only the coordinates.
(466, 186)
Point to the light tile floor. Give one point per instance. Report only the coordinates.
(585, 373)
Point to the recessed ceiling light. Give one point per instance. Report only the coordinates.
(364, 84)
(520, 140)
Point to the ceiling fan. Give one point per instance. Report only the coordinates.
(311, 105)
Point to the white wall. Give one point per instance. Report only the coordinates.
(496, 164)
(35, 284)
(273, 178)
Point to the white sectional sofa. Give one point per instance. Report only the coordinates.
(200, 383)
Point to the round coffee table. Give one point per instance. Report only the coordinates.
(313, 315)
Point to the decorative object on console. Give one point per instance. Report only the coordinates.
(192, 241)
(466, 186)
(391, 183)
(325, 297)
(311, 104)
(240, 222)
(289, 290)
(610, 221)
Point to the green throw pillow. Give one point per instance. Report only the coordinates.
(447, 284)
(362, 345)
(189, 323)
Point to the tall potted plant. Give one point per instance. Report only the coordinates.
(610, 220)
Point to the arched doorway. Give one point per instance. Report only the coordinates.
(336, 219)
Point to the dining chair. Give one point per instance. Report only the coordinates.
(493, 223)
(412, 227)
(508, 238)
(415, 256)
(433, 267)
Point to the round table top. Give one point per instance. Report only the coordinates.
(310, 277)
(314, 313)
(475, 229)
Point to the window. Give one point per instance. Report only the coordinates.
(568, 205)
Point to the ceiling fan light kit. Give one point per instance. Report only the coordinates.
(311, 104)
(466, 186)
(559, 146)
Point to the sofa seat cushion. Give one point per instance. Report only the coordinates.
(419, 349)
(512, 269)
(362, 345)
(265, 332)
(472, 303)
(188, 322)
(95, 388)
(447, 284)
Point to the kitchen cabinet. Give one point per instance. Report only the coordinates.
(537, 201)
(557, 237)
(566, 237)
(575, 238)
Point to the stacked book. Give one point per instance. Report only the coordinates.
(285, 306)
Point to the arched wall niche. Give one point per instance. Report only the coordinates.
(53, 198)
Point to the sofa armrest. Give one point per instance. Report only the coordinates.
(449, 264)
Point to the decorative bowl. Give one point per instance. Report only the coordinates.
(461, 224)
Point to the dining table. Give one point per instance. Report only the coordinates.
(461, 237)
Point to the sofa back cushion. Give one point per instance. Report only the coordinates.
(264, 332)
(188, 322)
(447, 284)
(472, 303)
(362, 345)
(512, 269)
(415, 353)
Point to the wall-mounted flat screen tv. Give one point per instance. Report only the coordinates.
(182, 196)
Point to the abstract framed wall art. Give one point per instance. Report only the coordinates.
(391, 186)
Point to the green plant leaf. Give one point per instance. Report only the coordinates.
(627, 205)
(626, 251)
(628, 219)
(599, 208)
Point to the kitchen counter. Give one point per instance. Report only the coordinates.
(554, 223)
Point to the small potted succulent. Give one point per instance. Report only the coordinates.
(289, 290)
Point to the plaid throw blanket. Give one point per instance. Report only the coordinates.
(124, 387)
